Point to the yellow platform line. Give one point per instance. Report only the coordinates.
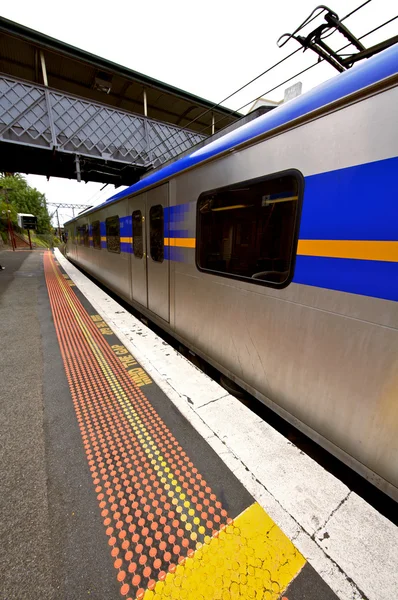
(251, 558)
(357, 249)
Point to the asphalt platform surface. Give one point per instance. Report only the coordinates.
(52, 543)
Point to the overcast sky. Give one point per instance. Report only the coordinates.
(209, 48)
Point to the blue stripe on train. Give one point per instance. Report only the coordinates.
(179, 233)
(126, 226)
(126, 247)
(356, 203)
(366, 277)
(174, 253)
(176, 214)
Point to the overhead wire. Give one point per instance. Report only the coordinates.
(322, 8)
(296, 74)
(97, 195)
(355, 10)
(214, 106)
(218, 104)
(314, 64)
(323, 37)
(304, 24)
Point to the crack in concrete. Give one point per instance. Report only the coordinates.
(211, 402)
(340, 504)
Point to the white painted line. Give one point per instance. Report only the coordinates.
(305, 501)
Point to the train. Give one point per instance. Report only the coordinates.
(272, 254)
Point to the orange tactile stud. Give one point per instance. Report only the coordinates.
(156, 507)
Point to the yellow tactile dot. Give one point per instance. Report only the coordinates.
(250, 558)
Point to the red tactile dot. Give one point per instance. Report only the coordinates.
(136, 580)
(146, 572)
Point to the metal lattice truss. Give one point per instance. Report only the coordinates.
(37, 116)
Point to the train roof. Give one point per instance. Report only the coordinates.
(371, 71)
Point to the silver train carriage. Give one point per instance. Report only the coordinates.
(272, 253)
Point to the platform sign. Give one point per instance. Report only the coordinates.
(27, 221)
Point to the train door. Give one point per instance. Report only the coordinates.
(138, 259)
(157, 228)
(150, 269)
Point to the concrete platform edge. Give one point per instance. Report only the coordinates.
(352, 546)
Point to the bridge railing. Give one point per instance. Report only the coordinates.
(42, 117)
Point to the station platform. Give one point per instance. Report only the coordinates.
(129, 473)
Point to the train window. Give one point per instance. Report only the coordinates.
(82, 235)
(138, 240)
(113, 234)
(86, 236)
(96, 235)
(156, 232)
(249, 230)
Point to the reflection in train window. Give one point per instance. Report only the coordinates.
(82, 235)
(86, 236)
(96, 235)
(138, 242)
(156, 235)
(113, 234)
(249, 230)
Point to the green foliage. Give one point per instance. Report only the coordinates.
(47, 240)
(4, 208)
(24, 199)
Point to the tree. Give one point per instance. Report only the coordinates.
(25, 199)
